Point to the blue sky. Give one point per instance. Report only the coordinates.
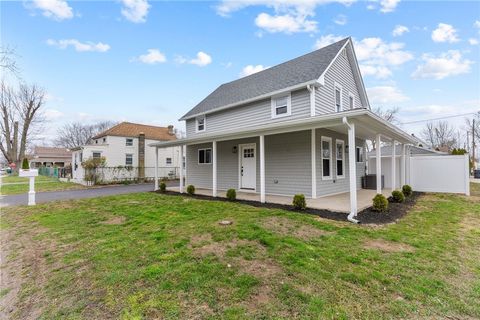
(152, 61)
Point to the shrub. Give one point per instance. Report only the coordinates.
(231, 194)
(163, 187)
(398, 196)
(299, 202)
(407, 190)
(191, 190)
(380, 203)
(25, 165)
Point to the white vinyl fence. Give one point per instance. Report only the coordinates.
(440, 174)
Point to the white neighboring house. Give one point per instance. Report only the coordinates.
(126, 151)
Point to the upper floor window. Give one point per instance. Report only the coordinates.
(200, 124)
(168, 160)
(129, 142)
(351, 100)
(281, 106)
(204, 156)
(129, 159)
(338, 97)
(96, 155)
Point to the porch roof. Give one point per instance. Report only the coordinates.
(367, 126)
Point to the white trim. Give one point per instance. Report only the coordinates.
(352, 170)
(394, 169)
(204, 124)
(313, 151)
(214, 168)
(262, 169)
(329, 140)
(240, 155)
(205, 156)
(322, 76)
(351, 95)
(335, 87)
(274, 107)
(181, 170)
(378, 163)
(155, 188)
(340, 141)
(311, 88)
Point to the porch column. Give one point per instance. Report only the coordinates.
(155, 188)
(352, 169)
(378, 160)
(402, 165)
(394, 170)
(262, 169)
(314, 165)
(181, 170)
(214, 168)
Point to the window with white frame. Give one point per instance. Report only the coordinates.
(129, 142)
(168, 160)
(129, 159)
(359, 154)
(351, 101)
(326, 158)
(338, 97)
(340, 158)
(281, 106)
(204, 156)
(96, 155)
(200, 124)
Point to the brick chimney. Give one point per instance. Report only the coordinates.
(171, 130)
(141, 156)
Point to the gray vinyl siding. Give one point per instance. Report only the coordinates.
(200, 175)
(340, 72)
(251, 115)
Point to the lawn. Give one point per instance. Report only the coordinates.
(16, 185)
(152, 256)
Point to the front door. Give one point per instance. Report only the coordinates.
(248, 166)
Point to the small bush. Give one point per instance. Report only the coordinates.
(299, 202)
(191, 190)
(380, 203)
(407, 190)
(231, 194)
(163, 187)
(25, 165)
(398, 196)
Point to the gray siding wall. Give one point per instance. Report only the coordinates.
(287, 164)
(252, 114)
(340, 72)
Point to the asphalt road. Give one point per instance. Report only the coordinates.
(42, 197)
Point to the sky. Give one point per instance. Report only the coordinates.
(152, 61)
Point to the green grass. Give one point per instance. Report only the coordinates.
(16, 185)
(169, 258)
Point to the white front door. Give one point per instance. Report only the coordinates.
(248, 166)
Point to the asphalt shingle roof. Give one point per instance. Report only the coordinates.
(128, 129)
(293, 72)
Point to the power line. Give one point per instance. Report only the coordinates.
(440, 118)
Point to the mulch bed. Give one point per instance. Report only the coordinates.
(395, 210)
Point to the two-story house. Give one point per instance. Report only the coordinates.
(127, 155)
(298, 127)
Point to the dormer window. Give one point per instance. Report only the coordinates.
(200, 124)
(338, 97)
(281, 106)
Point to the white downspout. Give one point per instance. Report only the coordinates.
(352, 171)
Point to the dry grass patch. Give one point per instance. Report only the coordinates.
(288, 227)
(115, 220)
(388, 246)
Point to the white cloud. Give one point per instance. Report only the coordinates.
(379, 72)
(201, 60)
(388, 5)
(473, 41)
(445, 33)
(476, 24)
(52, 114)
(55, 9)
(386, 95)
(251, 69)
(341, 19)
(135, 10)
(79, 46)
(399, 30)
(447, 64)
(326, 40)
(153, 56)
(287, 23)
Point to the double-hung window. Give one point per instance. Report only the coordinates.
(340, 158)
(204, 156)
(338, 97)
(129, 159)
(281, 106)
(200, 124)
(168, 160)
(326, 158)
(96, 155)
(129, 142)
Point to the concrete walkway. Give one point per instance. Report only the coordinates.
(42, 197)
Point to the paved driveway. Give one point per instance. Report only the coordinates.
(42, 197)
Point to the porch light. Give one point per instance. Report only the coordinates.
(234, 149)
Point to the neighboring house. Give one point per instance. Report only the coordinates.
(127, 155)
(50, 157)
(298, 127)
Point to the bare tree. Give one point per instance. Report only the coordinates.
(20, 113)
(7, 60)
(440, 135)
(388, 114)
(76, 134)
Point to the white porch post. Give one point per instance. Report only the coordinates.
(403, 174)
(155, 188)
(262, 169)
(394, 170)
(181, 170)
(214, 168)
(352, 166)
(378, 160)
(314, 165)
